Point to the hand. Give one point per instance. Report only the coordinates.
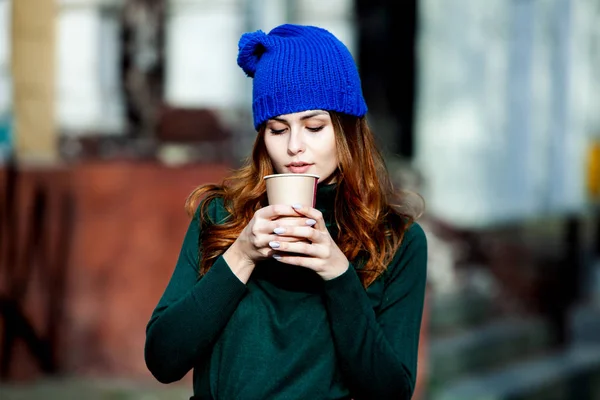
(253, 242)
(320, 253)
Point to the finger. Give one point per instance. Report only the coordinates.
(286, 258)
(269, 253)
(263, 241)
(272, 230)
(278, 238)
(294, 221)
(295, 247)
(311, 213)
(289, 222)
(276, 211)
(264, 225)
(305, 232)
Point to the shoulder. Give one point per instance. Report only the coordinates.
(414, 236)
(413, 248)
(411, 232)
(213, 211)
(411, 257)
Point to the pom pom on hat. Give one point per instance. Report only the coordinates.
(251, 47)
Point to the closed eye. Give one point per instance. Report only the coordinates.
(317, 129)
(277, 131)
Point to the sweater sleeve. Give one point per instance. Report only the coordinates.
(191, 312)
(378, 352)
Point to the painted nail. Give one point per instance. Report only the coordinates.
(279, 231)
(277, 256)
(311, 222)
(274, 244)
(297, 206)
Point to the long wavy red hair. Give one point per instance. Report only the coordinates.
(368, 212)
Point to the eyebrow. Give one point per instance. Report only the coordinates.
(304, 117)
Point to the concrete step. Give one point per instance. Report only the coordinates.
(93, 389)
(485, 347)
(573, 374)
(584, 324)
(452, 312)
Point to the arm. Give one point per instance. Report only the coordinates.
(378, 352)
(191, 311)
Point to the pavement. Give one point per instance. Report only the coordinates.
(82, 389)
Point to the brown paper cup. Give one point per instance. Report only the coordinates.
(290, 189)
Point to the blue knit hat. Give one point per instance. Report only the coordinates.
(298, 68)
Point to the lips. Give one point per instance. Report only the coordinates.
(298, 167)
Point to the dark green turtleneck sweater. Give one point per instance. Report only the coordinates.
(287, 334)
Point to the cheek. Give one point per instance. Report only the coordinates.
(274, 156)
(328, 155)
(270, 149)
(333, 164)
(330, 151)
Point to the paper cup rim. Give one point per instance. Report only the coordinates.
(291, 174)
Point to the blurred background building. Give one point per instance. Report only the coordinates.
(112, 111)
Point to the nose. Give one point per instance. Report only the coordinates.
(296, 142)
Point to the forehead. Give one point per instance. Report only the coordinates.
(300, 116)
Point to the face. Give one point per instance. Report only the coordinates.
(302, 142)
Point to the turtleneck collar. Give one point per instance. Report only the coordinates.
(326, 201)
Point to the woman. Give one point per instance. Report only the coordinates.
(291, 302)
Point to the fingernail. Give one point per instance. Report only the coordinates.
(279, 231)
(274, 244)
(277, 256)
(297, 206)
(310, 222)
